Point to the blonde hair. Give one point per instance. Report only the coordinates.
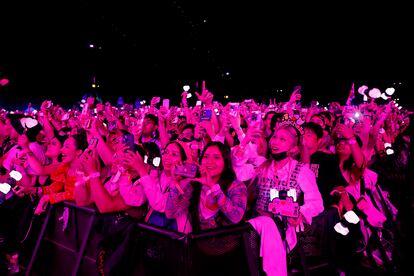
(292, 130)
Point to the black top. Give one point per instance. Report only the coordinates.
(328, 174)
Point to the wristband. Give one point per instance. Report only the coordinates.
(214, 188)
(178, 187)
(352, 141)
(80, 183)
(94, 175)
(89, 177)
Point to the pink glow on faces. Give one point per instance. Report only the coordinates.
(69, 151)
(213, 161)
(171, 156)
(283, 139)
(53, 148)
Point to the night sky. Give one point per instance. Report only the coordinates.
(242, 50)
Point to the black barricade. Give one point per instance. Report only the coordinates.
(161, 252)
(231, 250)
(63, 250)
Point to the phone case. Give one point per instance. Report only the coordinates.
(166, 103)
(188, 170)
(128, 140)
(206, 115)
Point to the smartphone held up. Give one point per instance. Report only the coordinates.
(206, 115)
(187, 170)
(128, 140)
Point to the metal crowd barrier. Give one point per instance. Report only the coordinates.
(229, 250)
(63, 252)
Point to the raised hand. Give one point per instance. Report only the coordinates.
(234, 120)
(206, 97)
(184, 98)
(209, 128)
(163, 113)
(134, 160)
(89, 161)
(205, 178)
(296, 95)
(155, 101)
(345, 131)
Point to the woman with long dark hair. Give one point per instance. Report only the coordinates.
(219, 199)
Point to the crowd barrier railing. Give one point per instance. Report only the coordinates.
(72, 249)
(229, 250)
(67, 244)
(61, 251)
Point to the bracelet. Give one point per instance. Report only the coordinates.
(94, 175)
(214, 188)
(178, 187)
(352, 141)
(89, 177)
(80, 183)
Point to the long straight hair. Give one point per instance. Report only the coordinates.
(227, 177)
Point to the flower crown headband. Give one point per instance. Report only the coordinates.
(295, 121)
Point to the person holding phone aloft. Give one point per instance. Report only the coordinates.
(158, 183)
(117, 218)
